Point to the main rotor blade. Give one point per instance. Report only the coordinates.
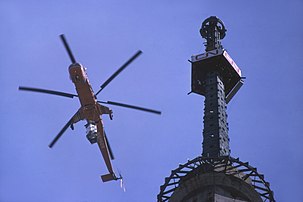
(131, 106)
(71, 56)
(118, 71)
(111, 154)
(61, 133)
(39, 90)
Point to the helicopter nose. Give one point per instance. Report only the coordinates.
(75, 65)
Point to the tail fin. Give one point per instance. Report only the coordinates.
(110, 177)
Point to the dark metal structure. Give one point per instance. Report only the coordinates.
(215, 176)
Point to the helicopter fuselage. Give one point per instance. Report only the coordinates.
(78, 76)
(91, 110)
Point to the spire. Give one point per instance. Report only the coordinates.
(214, 77)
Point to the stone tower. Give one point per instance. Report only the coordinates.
(215, 176)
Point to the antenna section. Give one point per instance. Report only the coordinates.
(213, 30)
(215, 175)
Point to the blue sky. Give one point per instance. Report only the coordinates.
(265, 117)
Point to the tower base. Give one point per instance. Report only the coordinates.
(215, 179)
(215, 187)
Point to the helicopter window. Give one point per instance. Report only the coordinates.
(77, 78)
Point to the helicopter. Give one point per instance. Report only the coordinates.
(91, 109)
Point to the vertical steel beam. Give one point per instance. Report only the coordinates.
(215, 133)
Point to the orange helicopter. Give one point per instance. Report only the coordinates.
(91, 109)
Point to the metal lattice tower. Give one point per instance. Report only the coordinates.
(215, 176)
(215, 133)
